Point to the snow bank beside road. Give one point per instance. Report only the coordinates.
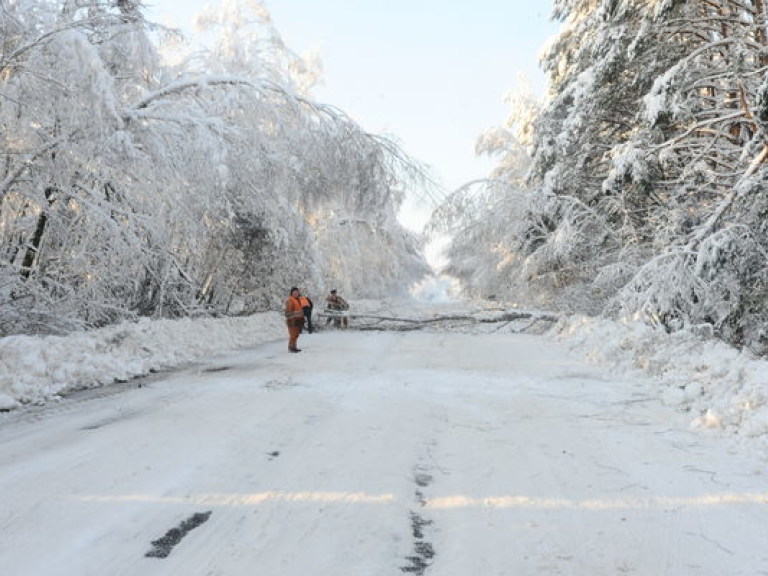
(34, 369)
(720, 386)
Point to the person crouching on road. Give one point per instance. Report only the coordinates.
(294, 318)
(337, 307)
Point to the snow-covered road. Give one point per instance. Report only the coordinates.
(377, 453)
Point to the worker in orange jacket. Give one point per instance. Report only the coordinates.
(294, 319)
(307, 306)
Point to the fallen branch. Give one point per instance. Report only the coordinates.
(399, 323)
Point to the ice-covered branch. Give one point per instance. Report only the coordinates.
(11, 178)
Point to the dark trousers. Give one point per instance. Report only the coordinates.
(308, 317)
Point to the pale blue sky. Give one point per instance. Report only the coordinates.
(431, 73)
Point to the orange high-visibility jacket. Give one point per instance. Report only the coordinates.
(304, 301)
(293, 312)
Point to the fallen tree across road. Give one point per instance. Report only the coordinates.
(403, 323)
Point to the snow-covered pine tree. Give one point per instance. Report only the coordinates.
(599, 71)
(700, 128)
(647, 186)
(550, 236)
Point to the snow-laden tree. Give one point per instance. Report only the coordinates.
(646, 192)
(699, 150)
(545, 226)
(364, 249)
(600, 67)
(511, 243)
(314, 161)
(62, 205)
(131, 187)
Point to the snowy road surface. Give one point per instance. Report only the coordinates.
(377, 454)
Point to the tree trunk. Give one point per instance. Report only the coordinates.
(33, 248)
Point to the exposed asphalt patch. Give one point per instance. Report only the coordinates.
(280, 383)
(417, 525)
(218, 369)
(423, 479)
(162, 547)
(108, 421)
(423, 551)
(119, 415)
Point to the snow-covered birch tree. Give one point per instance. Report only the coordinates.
(133, 187)
(62, 197)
